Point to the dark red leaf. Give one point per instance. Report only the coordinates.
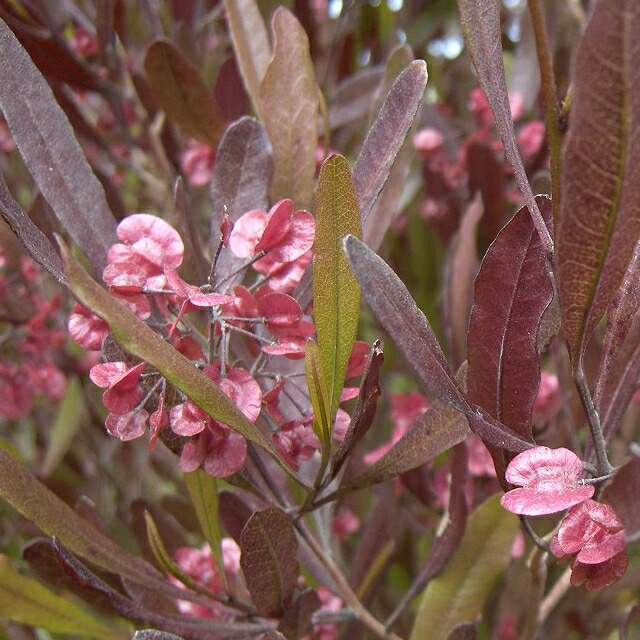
(623, 495)
(600, 209)
(268, 544)
(512, 291)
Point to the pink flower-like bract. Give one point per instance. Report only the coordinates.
(599, 576)
(592, 531)
(549, 482)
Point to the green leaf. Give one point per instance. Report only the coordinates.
(178, 87)
(250, 44)
(65, 427)
(28, 602)
(336, 293)
(319, 396)
(203, 491)
(141, 341)
(268, 543)
(458, 593)
(600, 209)
(289, 110)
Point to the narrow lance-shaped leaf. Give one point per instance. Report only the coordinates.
(482, 33)
(203, 491)
(141, 341)
(439, 429)
(240, 180)
(407, 325)
(28, 602)
(52, 154)
(336, 294)
(319, 397)
(600, 209)
(178, 87)
(268, 544)
(289, 110)
(388, 132)
(250, 43)
(512, 291)
(460, 591)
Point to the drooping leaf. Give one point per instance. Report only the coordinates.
(386, 136)
(250, 44)
(600, 209)
(365, 409)
(51, 152)
(319, 397)
(28, 602)
(482, 33)
(336, 294)
(34, 241)
(458, 594)
(65, 426)
(268, 544)
(462, 264)
(240, 180)
(437, 430)
(179, 89)
(137, 338)
(203, 491)
(289, 110)
(512, 291)
(397, 312)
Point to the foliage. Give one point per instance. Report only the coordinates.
(197, 198)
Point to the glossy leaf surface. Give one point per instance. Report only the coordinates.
(250, 44)
(268, 560)
(178, 87)
(458, 594)
(289, 111)
(141, 341)
(512, 291)
(28, 602)
(600, 210)
(387, 134)
(336, 293)
(483, 36)
(51, 152)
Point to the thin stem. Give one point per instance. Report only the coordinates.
(549, 94)
(556, 593)
(537, 565)
(599, 442)
(347, 594)
(542, 544)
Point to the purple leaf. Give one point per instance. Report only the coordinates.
(512, 291)
(600, 209)
(240, 180)
(481, 26)
(622, 494)
(51, 152)
(407, 325)
(34, 241)
(268, 543)
(386, 136)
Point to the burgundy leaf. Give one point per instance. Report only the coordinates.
(155, 634)
(512, 291)
(622, 494)
(351, 101)
(365, 409)
(386, 136)
(240, 180)
(268, 543)
(407, 325)
(481, 26)
(600, 209)
(34, 241)
(51, 152)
